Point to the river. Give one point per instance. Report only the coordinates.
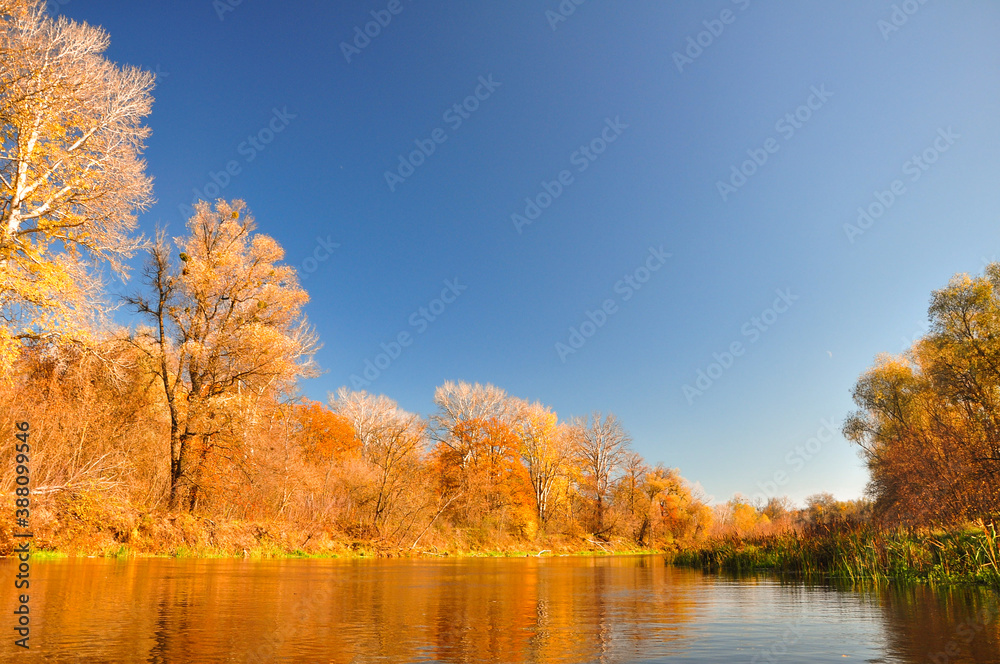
(547, 610)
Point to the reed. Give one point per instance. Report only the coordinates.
(860, 553)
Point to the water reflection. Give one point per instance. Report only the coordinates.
(949, 625)
(534, 610)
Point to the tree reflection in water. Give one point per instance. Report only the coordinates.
(527, 610)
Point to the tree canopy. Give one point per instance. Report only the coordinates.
(71, 173)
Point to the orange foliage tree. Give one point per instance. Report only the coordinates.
(477, 457)
(325, 437)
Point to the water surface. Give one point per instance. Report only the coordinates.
(549, 610)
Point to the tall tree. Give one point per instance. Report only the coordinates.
(71, 176)
(545, 452)
(600, 445)
(630, 495)
(674, 509)
(228, 331)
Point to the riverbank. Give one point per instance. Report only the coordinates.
(861, 553)
(90, 525)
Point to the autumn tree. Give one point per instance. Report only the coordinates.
(544, 449)
(822, 509)
(71, 176)
(462, 401)
(739, 517)
(629, 506)
(227, 333)
(600, 446)
(299, 457)
(675, 512)
(477, 452)
(324, 436)
(928, 424)
(634, 471)
(779, 511)
(391, 441)
(93, 422)
(963, 346)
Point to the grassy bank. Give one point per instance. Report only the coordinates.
(861, 553)
(89, 524)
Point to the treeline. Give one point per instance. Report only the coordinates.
(928, 428)
(741, 518)
(485, 470)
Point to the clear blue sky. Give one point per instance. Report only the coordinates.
(884, 96)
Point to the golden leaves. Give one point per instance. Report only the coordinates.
(70, 173)
(929, 421)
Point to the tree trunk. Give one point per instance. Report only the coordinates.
(179, 479)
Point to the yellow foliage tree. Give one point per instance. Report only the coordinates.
(228, 334)
(928, 423)
(544, 448)
(71, 177)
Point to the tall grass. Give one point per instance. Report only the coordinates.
(860, 553)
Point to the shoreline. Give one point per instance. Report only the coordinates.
(54, 554)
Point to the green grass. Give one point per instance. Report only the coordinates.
(48, 555)
(861, 553)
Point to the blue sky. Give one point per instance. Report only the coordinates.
(867, 87)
